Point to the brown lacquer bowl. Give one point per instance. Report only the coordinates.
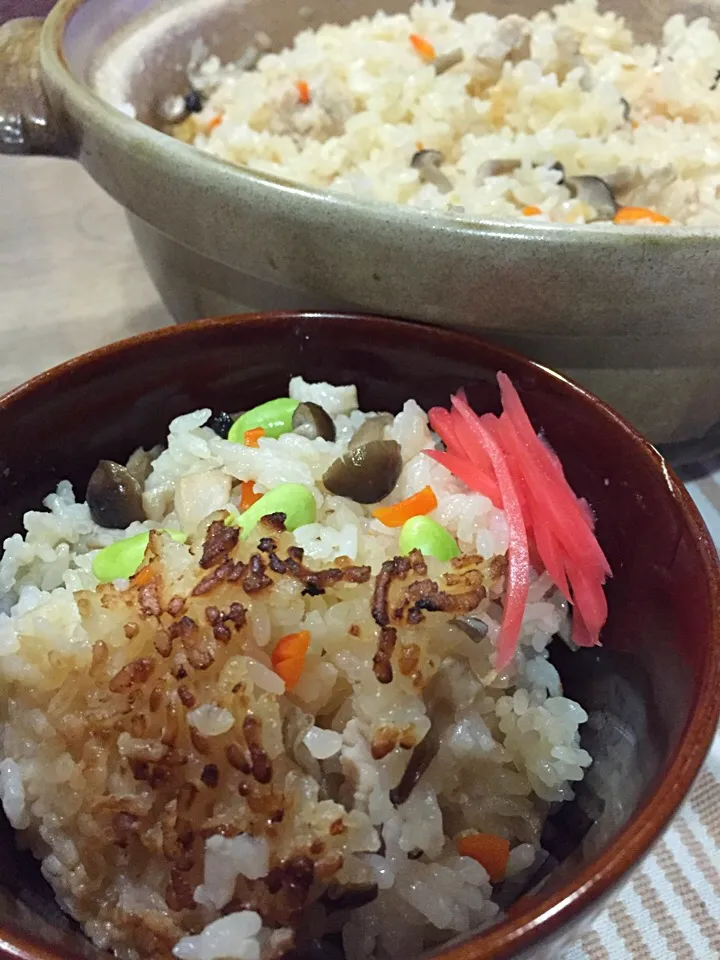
(651, 690)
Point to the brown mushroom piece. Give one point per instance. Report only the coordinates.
(220, 423)
(472, 627)
(440, 710)
(498, 168)
(318, 949)
(428, 163)
(622, 179)
(172, 109)
(367, 473)
(140, 463)
(422, 756)
(349, 897)
(194, 100)
(594, 192)
(446, 61)
(560, 169)
(114, 496)
(372, 429)
(311, 421)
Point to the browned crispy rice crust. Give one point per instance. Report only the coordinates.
(156, 788)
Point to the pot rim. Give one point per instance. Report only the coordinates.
(161, 148)
(523, 929)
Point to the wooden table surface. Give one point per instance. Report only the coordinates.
(70, 277)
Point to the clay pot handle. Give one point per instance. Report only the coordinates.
(27, 122)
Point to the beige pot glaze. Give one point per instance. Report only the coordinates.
(629, 312)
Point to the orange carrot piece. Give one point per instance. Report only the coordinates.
(490, 851)
(415, 506)
(422, 46)
(252, 436)
(290, 670)
(143, 577)
(303, 91)
(531, 211)
(628, 215)
(290, 646)
(288, 657)
(215, 122)
(248, 496)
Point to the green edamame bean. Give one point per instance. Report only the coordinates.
(292, 499)
(275, 418)
(427, 536)
(123, 559)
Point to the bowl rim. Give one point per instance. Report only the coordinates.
(160, 147)
(527, 928)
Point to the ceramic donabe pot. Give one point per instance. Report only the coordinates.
(631, 312)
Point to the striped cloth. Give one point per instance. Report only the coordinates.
(670, 909)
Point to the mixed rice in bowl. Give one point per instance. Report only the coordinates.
(285, 680)
(565, 117)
